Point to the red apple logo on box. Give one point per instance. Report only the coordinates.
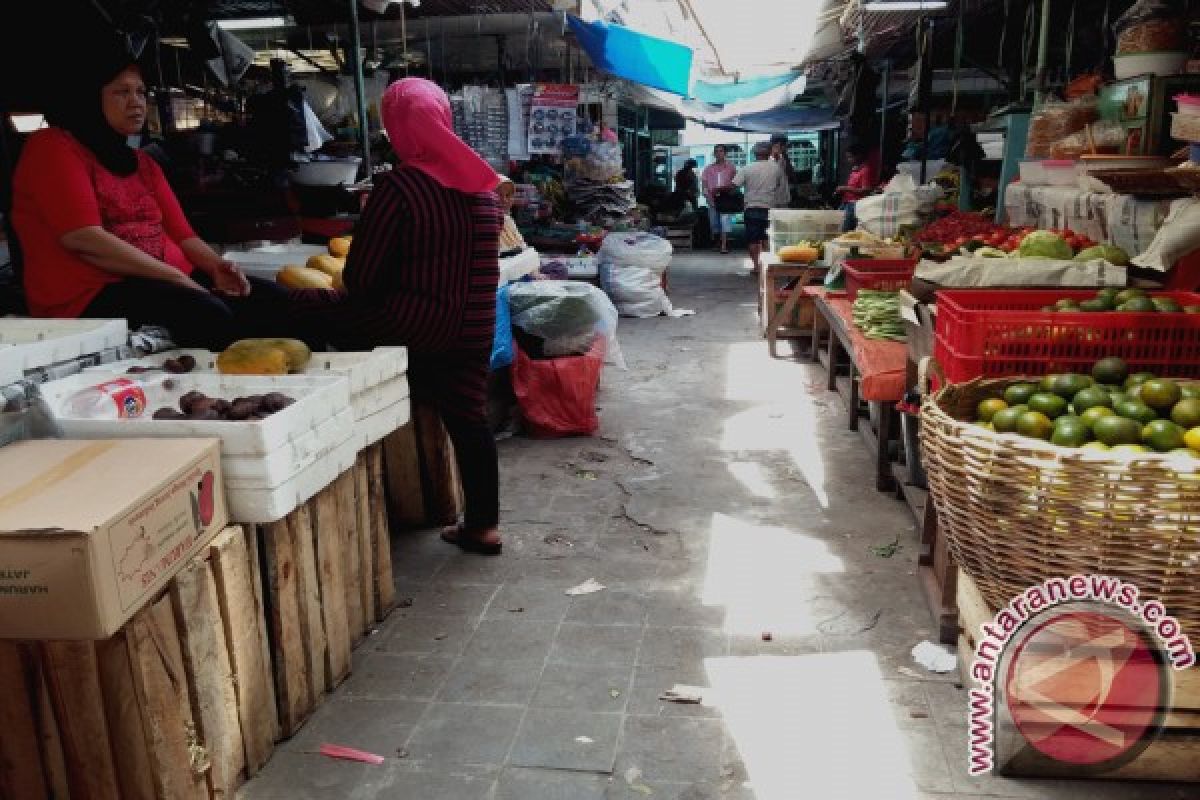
(207, 498)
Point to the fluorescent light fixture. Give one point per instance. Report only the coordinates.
(27, 123)
(253, 23)
(905, 5)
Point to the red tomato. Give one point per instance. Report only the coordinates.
(1072, 242)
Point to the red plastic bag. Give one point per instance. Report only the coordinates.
(557, 396)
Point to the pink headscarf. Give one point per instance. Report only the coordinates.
(416, 115)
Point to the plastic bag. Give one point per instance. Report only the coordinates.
(502, 341)
(557, 396)
(1105, 137)
(1056, 120)
(636, 250)
(1151, 26)
(566, 316)
(636, 291)
(1178, 236)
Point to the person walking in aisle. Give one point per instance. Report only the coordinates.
(717, 180)
(422, 273)
(766, 186)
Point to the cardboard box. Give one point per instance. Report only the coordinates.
(91, 530)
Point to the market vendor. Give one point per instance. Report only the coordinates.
(510, 236)
(423, 274)
(859, 184)
(103, 235)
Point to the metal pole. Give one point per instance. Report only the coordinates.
(883, 109)
(364, 133)
(1043, 44)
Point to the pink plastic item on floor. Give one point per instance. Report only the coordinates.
(350, 754)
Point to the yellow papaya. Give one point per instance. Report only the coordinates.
(241, 360)
(798, 254)
(339, 246)
(294, 277)
(327, 264)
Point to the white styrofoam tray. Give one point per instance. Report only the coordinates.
(256, 506)
(272, 469)
(379, 397)
(318, 398)
(371, 429)
(364, 370)
(266, 261)
(41, 342)
(10, 365)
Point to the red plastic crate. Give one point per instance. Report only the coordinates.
(1003, 332)
(882, 274)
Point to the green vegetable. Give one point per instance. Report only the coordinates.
(1044, 244)
(990, 252)
(877, 315)
(1109, 252)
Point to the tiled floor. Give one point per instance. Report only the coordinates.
(722, 499)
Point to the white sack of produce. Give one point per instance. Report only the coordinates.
(1178, 236)
(637, 291)
(635, 250)
(965, 273)
(901, 204)
(567, 316)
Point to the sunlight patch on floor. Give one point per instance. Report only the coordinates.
(754, 478)
(816, 726)
(763, 576)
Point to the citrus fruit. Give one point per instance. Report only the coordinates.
(1136, 378)
(1094, 413)
(1186, 412)
(988, 408)
(1162, 435)
(1130, 449)
(1110, 370)
(1160, 394)
(1046, 384)
(1135, 410)
(1114, 430)
(1139, 304)
(1166, 304)
(1089, 398)
(985, 425)
(1095, 304)
(1192, 309)
(1192, 438)
(1189, 390)
(1035, 424)
(1048, 404)
(1109, 294)
(1126, 295)
(1070, 431)
(1069, 384)
(1005, 421)
(1095, 446)
(1066, 302)
(1135, 392)
(1019, 393)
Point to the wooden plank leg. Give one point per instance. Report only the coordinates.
(125, 726)
(853, 401)
(360, 594)
(158, 677)
(239, 593)
(381, 540)
(883, 461)
(73, 678)
(20, 760)
(405, 494)
(329, 541)
(308, 585)
(54, 760)
(290, 661)
(209, 675)
(831, 382)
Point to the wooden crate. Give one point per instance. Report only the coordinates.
(176, 705)
(328, 582)
(1173, 756)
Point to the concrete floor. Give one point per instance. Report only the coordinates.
(722, 499)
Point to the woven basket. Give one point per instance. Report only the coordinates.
(1017, 511)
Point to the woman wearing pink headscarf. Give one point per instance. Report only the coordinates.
(422, 273)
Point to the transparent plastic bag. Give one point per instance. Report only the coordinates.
(566, 316)
(636, 250)
(1101, 138)
(1151, 26)
(1056, 120)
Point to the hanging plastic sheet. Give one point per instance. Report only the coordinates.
(635, 56)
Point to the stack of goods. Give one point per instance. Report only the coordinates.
(1055, 121)
(1152, 39)
(481, 120)
(320, 271)
(877, 315)
(596, 184)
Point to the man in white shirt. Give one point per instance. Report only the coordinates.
(766, 185)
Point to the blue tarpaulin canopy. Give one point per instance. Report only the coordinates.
(643, 59)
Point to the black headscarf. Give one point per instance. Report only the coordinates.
(77, 107)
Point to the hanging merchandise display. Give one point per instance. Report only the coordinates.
(481, 120)
(552, 117)
(518, 101)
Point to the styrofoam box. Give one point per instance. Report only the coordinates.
(42, 342)
(363, 370)
(371, 429)
(265, 262)
(273, 469)
(318, 398)
(804, 220)
(10, 365)
(257, 506)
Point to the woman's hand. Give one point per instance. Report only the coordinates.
(228, 279)
(179, 279)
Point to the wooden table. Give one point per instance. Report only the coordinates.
(861, 372)
(785, 303)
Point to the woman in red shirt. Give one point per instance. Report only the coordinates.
(859, 184)
(103, 235)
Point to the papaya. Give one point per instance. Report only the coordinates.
(339, 246)
(264, 357)
(327, 264)
(294, 277)
(297, 353)
(798, 254)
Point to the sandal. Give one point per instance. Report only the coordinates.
(470, 544)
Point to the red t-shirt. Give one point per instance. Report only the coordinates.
(860, 178)
(59, 187)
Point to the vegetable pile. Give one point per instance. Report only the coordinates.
(877, 315)
(199, 406)
(966, 232)
(1123, 300)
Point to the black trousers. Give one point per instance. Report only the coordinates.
(475, 453)
(200, 319)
